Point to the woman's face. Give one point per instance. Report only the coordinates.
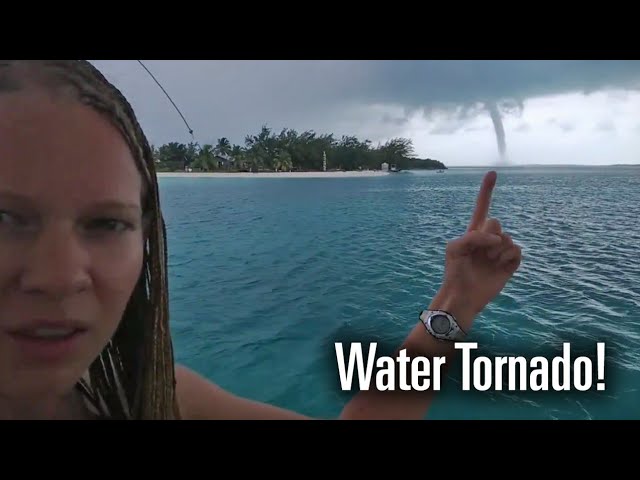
(71, 239)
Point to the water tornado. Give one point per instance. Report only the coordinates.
(496, 118)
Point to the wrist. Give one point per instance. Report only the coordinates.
(456, 304)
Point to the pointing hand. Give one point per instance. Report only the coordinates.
(479, 264)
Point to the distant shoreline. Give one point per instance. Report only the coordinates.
(349, 174)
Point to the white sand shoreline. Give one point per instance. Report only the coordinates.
(368, 173)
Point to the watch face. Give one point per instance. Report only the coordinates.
(440, 324)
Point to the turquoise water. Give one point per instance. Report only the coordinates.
(266, 274)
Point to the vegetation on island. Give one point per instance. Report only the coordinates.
(289, 150)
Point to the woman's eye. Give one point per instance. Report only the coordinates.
(7, 218)
(109, 225)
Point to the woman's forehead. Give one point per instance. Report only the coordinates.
(49, 145)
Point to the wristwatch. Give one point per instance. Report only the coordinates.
(442, 325)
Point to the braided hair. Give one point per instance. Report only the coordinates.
(134, 376)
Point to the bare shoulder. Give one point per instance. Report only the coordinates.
(201, 399)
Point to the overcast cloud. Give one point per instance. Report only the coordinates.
(549, 111)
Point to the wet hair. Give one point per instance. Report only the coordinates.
(134, 376)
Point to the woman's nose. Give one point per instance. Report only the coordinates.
(57, 263)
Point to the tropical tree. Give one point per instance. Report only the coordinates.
(206, 159)
(223, 147)
(282, 161)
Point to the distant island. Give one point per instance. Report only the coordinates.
(290, 151)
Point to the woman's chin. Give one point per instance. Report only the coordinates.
(42, 383)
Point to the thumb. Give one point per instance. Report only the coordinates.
(471, 241)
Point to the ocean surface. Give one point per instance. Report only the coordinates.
(265, 274)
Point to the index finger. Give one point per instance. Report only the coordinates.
(483, 202)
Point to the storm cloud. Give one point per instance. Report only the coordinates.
(235, 98)
(463, 83)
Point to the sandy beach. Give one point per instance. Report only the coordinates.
(368, 173)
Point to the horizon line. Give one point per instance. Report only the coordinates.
(548, 165)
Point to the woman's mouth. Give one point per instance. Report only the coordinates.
(47, 344)
(48, 333)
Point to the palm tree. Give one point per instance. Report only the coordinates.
(223, 147)
(282, 162)
(206, 159)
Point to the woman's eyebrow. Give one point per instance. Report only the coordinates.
(108, 204)
(15, 197)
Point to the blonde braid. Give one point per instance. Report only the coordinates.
(140, 355)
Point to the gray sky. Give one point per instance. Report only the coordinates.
(567, 112)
